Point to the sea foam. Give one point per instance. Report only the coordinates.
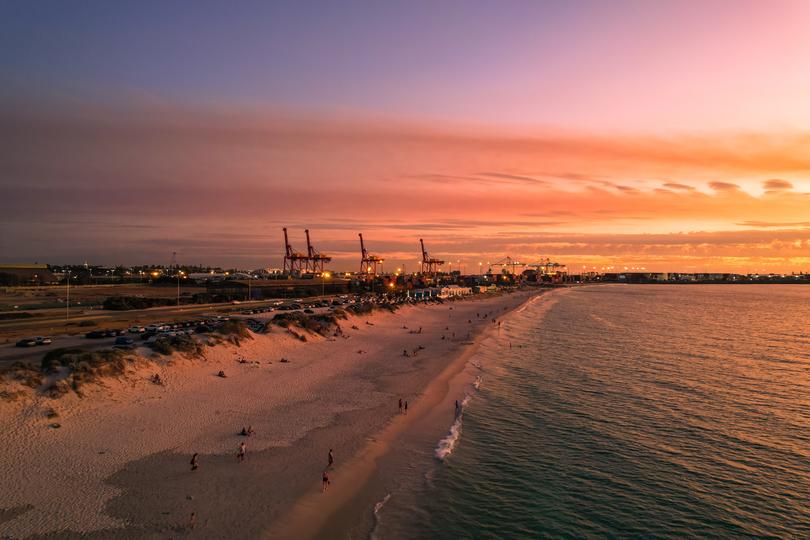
(448, 444)
(377, 507)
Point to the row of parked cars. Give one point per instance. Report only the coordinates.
(298, 304)
(156, 330)
(34, 341)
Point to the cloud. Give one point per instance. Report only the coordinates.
(218, 186)
(775, 224)
(679, 187)
(515, 177)
(776, 185)
(723, 186)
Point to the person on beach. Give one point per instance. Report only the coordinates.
(194, 463)
(325, 485)
(331, 459)
(458, 409)
(240, 456)
(400, 405)
(406, 407)
(192, 521)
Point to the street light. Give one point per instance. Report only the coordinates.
(324, 275)
(179, 273)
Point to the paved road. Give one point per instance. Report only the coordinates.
(13, 330)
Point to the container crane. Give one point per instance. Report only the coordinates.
(295, 263)
(430, 266)
(315, 259)
(509, 264)
(368, 263)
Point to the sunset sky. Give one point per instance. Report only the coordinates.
(669, 135)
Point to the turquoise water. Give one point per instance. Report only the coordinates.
(633, 412)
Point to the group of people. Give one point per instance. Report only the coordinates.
(242, 453)
(403, 406)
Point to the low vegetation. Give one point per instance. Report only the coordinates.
(167, 345)
(72, 368)
(16, 315)
(124, 303)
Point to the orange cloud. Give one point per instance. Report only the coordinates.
(214, 184)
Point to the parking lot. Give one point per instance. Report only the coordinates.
(129, 336)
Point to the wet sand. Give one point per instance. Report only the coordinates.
(118, 466)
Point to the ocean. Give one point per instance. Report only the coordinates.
(625, 411)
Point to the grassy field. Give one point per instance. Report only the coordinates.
(48, 297)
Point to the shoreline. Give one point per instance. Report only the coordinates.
(124, 454)
(313, 518)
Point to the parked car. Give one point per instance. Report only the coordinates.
(27, 342)
(137, 329)
(203, 328)
(96, 334)
(309, 311)
(41, 340)
(123, 342)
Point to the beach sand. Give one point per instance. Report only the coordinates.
(118, 467)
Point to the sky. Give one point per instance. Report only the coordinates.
(673, 136)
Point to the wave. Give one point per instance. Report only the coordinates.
(377, 507)
(448, 444)
(478, 380)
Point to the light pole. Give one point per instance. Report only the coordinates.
(67, 306)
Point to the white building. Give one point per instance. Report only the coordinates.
(453, 291)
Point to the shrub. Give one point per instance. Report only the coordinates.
(16, 315)
(166, 345)
(124, 303)
(234, 328)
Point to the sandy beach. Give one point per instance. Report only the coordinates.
(118, 465)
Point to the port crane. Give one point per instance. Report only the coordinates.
(315, 259)
(509, 264)
(368, 262)
(295, 262)
(548, 267)
(430, 265)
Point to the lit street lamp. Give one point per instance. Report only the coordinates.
(324, 275)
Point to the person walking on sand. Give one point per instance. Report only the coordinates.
(331, 459)
(192, 521)
(406, 407)
(194, 462)
(240, 456)
(325, 485)
(458, 408)
(400, 405)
